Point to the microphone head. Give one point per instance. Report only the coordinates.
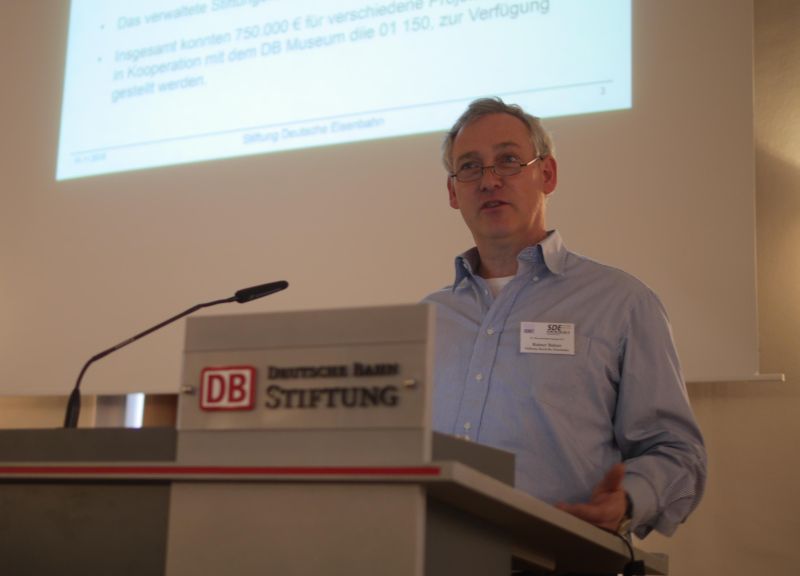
(255, 292)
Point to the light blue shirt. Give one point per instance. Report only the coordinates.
(569, 418)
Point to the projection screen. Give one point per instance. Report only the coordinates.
(132, 206)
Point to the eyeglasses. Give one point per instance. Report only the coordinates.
(472, 171)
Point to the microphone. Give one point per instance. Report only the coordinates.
(254, 292)
(241, 296)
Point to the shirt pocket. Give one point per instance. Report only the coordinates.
(558, 380)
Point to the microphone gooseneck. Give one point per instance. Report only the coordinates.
(244, 295)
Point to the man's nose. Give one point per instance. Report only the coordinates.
(489, 178)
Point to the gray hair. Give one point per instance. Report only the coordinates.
(540, 138)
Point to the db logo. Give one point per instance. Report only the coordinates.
(228, 388)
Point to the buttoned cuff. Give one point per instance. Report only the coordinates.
(645, 503)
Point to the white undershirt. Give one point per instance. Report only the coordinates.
(497, 284)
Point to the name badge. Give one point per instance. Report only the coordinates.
(547, 338)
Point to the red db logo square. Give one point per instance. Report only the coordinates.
(228, 388)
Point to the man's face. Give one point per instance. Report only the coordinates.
(501, 210)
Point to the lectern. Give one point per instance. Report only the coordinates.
(303, 446)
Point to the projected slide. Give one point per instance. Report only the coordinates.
(158, 82)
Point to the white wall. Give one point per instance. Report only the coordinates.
(748, 522)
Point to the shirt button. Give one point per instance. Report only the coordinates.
(467, 426)
(490, 331)
(535, 278)
(478, 376)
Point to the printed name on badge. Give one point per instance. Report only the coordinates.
(547, 338)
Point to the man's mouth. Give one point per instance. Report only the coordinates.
(492, 204)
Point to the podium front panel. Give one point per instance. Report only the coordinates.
(251, 529)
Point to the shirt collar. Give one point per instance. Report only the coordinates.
(551, 250)
(466, 265)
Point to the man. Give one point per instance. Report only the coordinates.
(565, 362)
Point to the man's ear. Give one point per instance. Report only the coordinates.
(549, 174)
(451, 191)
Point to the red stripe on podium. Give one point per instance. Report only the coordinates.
(307, 471)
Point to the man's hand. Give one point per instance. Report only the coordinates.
(607, 506)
